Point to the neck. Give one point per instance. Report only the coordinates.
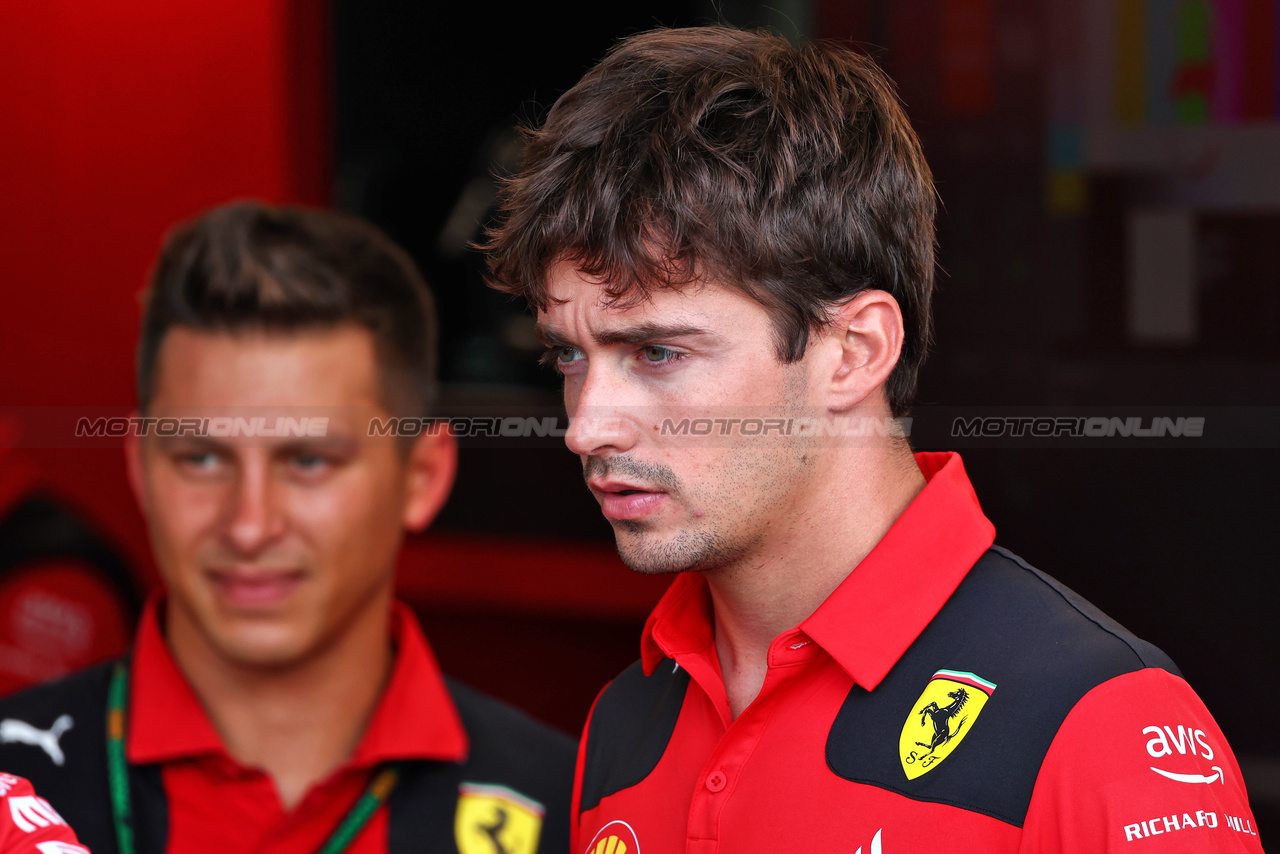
(299, 721)
(851, 505)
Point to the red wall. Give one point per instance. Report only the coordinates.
(119, 119)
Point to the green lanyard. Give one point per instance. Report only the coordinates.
(384, 781)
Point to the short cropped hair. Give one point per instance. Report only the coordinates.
(248, 266)
(788, 172)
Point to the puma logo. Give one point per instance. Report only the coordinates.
(21, 732)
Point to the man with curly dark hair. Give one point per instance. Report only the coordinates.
(728, 242)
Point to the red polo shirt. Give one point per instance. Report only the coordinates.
(218, 805)
(815, 762)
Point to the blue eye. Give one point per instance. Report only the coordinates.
(657, 355)
(561, 357)
(308, 462)
(200, 461)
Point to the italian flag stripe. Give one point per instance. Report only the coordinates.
(966, 678)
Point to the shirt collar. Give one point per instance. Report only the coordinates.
(415, 718)
(883, 605)
(683, 622)
(166, 720)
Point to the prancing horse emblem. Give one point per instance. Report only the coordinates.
(21, 732)
(946, 711)
(492, 819)
(941, 718)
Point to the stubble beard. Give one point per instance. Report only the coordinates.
(644, 549)
(638, 543)
(688, 551)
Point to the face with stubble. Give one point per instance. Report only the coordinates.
(701, 352)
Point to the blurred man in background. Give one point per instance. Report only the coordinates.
(729, 241)
(277, 698)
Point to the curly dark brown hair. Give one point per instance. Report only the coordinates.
(788, 172)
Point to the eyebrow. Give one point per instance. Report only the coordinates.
(640, 334)
(206, 442)
(335, 442)
(339, 443)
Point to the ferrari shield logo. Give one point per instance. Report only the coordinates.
(940, 719)
(496, 820)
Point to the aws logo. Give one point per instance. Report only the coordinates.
(616, 837)
(940, 719)
(1164, 741)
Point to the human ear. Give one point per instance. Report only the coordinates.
(136, 470)
(433, 462)
(867, 333)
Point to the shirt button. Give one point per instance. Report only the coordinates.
(716, 780)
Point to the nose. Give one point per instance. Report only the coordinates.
(254, 518)
(602, 419)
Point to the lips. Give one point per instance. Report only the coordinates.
(256, 587)
(623, 501)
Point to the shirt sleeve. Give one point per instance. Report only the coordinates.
(29, 825)
(1139, 765)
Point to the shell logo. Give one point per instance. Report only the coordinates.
(616, 837)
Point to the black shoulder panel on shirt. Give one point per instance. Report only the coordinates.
(77, 788)
(509, 749)
(630, 727)
(1042, 645)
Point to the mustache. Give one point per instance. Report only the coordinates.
(626, 467)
